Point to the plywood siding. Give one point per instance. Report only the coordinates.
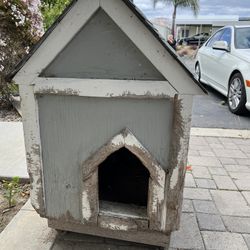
(73, 128)
(102, 51)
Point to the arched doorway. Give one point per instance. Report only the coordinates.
(123, 178)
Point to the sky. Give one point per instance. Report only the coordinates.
(207, 8)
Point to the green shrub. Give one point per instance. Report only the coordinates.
(10, 189)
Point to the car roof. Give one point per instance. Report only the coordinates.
(242, 26)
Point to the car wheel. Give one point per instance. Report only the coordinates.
(197, 72)
(237, 95)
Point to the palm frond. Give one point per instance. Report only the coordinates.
(193, 4)
(156, 1)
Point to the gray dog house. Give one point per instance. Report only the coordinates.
(106, 111)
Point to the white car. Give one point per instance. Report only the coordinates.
(223, 62)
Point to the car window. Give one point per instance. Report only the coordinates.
(214, 38)
(226, 36)
(242, 38)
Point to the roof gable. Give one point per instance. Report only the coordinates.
(101, 50)
(130, 21)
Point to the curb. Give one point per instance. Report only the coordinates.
(220, 132)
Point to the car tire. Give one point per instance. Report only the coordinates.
(198, 72)
(237, 95)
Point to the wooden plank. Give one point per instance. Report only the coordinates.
(122, 210)
(33, 147)
(116, 223)
(178, 160)
(104, 88)
(146, 237)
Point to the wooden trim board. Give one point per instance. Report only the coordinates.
(144, 237)
(103, 88)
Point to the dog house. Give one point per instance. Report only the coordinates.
(106, 111)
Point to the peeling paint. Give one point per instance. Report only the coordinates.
(144, 94)
(177, 162)
(174, 178)
(86, 211)
(160, 174)
(158, 197)
(118, 140)
(130, 140)
(51, 91)
(157, 174)
(114, 226)
(33, 162)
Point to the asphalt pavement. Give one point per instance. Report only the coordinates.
(211, 111)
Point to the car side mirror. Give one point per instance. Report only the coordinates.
(221, 45)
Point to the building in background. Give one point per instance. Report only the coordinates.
(187, 26)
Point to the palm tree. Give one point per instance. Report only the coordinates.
(193, 4)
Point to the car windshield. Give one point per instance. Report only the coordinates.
(242, 38)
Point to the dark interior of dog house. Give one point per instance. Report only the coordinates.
(123, 179)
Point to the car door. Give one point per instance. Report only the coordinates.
(207, 58)
(223, 62)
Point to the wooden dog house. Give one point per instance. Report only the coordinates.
(106, 109)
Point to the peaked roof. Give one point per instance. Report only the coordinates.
(137, 13)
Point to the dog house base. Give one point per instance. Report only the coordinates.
(144, 237)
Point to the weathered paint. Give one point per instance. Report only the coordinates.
(121, 224)
(174, 178)
(73, 128)
(101, 50)
(73, 118)
(178, 161)
(104, 88)
(33, 147)
(114, 226)
(157, 174)
(125, 211)
(118, 141)
(86, 211)
(146, 236)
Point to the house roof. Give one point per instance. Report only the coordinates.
(139, 15)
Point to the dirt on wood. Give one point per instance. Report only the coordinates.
(6, 213)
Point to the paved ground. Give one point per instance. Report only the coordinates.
(12, 152)
(216, 208)
(209, 112)
(216, 211)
